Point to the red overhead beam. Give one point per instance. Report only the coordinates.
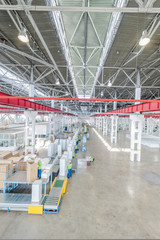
(9, 100)
(146, 106)
(21, 102)
(143, 107)
(15, 98)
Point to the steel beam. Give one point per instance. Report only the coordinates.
(24, 104)
(45, 8)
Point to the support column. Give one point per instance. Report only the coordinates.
(138, 87)
(115, 103)
(62, 122)
(94, 122)
(149, 125)
(31, 85)
(123, 124)
(69, 124)
(105, 126)
(114, 120)
(145, 125)
(100, 109)
(30, 131)
(52, 101)
(97, 122)
(106, 105)
(159, 127)
(51, 127)
(103, 120)
(136, 136)
(61, 106)
(100, 123)
(17, 118)
(109, 124)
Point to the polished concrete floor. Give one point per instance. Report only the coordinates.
(114, 198)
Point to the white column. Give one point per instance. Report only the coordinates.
(30, 131)
(31, 91)
(31, 85)
(103, 123)
(61, 106)
(138, 87)
(106, 105)
(115, 103)
(105, 126)
(17, 118)
(100, 123)
(123, 124)
(150, 125)
(114, 120)
(94, 122)
(97, 121)
(136, 136)
(159, 127)
(27, 134)
(62, 122)
(100, 109)
(52, 101)
(51, 127)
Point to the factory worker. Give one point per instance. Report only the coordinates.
(39, 168)
(70, 169)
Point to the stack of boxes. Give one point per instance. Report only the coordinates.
(32, 169)
(5, 165)
(3, 174)
(7, 161)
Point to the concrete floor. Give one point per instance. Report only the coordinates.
(114, 198)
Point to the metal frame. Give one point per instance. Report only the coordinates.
(44, 8)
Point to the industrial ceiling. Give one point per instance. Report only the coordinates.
(77, 53)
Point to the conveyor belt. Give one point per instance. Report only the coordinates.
(52, 202)
(14, 201)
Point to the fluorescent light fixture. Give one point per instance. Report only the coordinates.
(109, 83)
(22, 36)
(145, 39)
(57, 82)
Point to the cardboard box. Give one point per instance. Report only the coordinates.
(15, 154)
(6, 155)
(3, 168)
(22, 168)
(15, 167)
(32, 171)
(7, 162)
(3, 176)
(17, 159)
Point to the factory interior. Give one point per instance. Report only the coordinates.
(79, 119)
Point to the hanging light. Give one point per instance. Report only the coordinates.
(109, 83)
(66, 93)
(102, 94)
(145, 39)
(22, 36)
(57, 82)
